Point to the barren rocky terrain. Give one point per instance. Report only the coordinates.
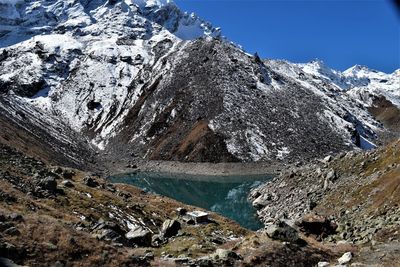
(351, 198)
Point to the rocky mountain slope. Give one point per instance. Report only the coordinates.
(132, 80)
(352, 198)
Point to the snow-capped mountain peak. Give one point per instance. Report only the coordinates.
(134, 75)
(362, 71)
(20, 20)
(358, 81)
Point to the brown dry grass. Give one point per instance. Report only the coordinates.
(387, 113)
(48, 232)
(198, 131)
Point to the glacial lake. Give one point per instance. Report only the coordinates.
(226, 195)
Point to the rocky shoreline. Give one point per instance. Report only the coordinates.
(201, 168)
(76, 218)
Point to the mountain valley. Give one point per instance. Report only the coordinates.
(94, 88)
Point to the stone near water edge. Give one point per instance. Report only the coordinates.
(259, 202)
(323, 264)
(254, 194)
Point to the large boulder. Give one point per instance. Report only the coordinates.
(139, 237)
(345, 259)
(48, 184)
(282, 231)
(170, 228)
(317, 225)
(89, 181)
(225, 254)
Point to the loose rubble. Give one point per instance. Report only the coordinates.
(347, 199)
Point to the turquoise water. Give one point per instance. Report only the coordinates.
(226, 195)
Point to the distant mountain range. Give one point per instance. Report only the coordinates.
(92, 82)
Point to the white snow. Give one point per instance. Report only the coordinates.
(55, 43)
(149, 3)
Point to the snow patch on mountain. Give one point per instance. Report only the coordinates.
(379, 84)
(360, 82)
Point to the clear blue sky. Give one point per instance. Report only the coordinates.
(342, 33)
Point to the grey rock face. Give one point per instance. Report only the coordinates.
(139, 236)
(282, 231)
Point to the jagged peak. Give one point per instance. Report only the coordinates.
(151, 3)
(97, 17)
(317, 62)
(317, 65)
(362, 70)
(356, 68)
(396, 72)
